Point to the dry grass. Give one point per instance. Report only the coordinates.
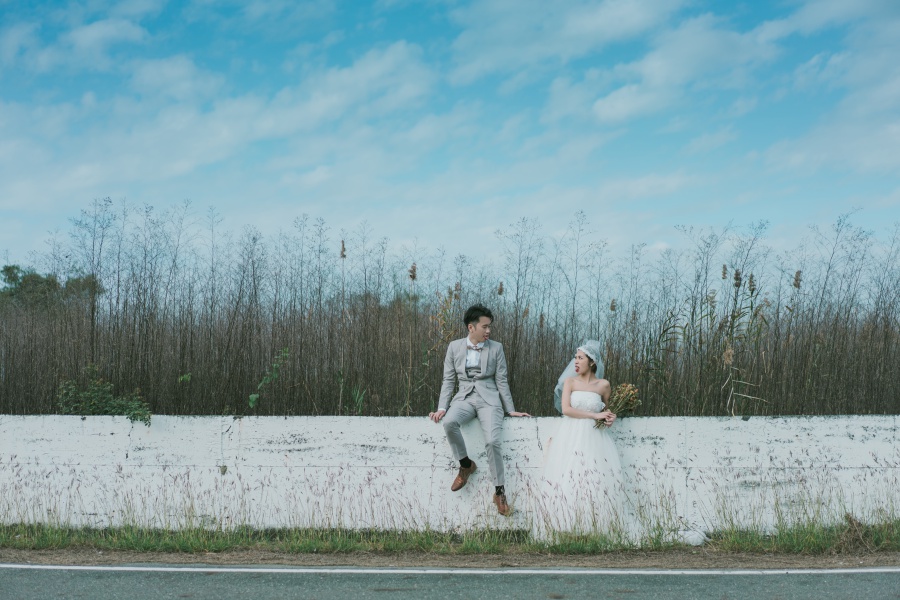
(196, 318)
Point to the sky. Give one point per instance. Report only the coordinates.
(437, 123)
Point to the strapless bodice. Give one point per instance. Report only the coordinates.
(589, 401)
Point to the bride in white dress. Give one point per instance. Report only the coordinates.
(581, 487)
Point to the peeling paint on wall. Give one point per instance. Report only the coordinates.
(361, 472)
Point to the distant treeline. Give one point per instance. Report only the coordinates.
(316, 322)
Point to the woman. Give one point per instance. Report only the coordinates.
(581, 488)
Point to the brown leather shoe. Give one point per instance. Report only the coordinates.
(502, 507)
(462, 477)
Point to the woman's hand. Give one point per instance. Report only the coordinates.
(607, 417)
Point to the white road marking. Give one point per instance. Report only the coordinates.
(471, 571)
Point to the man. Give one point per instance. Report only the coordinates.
(479, 366)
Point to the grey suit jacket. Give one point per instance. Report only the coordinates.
(491, 383)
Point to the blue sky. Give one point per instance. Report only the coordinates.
(444, 121)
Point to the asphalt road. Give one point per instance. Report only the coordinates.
(24, 582)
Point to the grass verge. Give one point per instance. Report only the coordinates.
(850, 536)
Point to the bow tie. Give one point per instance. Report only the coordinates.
(475, 348)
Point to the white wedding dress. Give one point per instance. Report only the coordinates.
(581, 490)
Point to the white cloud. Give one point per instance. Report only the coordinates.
(175, 77)
(91, 42)
(822, 69)
(291, 10)
(816, 15)
(141, 142)
(631, 101)
(308, 179)
(573, 99)
(866, 146)
(652, 186)
(380, 82)
(862, 133)
(700, 53)
(432, 130)
(371, 139)
(742, 106)
(17, 40)
(700, 47)
(509, 35)
(135, 9)
(81, 47)
(282, 19)
(711, 141)
(890, 200)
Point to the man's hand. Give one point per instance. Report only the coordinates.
(437, 415)
(518, 414)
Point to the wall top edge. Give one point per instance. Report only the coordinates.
(749, 421)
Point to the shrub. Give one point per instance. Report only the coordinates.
(96, 398)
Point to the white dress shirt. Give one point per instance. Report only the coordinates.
(473, 357)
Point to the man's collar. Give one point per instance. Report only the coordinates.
(469, 343)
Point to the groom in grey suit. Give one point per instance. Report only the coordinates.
(478, 365)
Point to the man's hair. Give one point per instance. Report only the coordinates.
(475, 312)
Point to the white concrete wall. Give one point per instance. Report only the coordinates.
(358, 472)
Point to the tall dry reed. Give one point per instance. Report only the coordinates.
(195, 318)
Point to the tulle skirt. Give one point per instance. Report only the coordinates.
(581, 488)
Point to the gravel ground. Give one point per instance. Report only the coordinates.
(670, 559)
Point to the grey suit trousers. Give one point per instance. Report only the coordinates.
(491, 419)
